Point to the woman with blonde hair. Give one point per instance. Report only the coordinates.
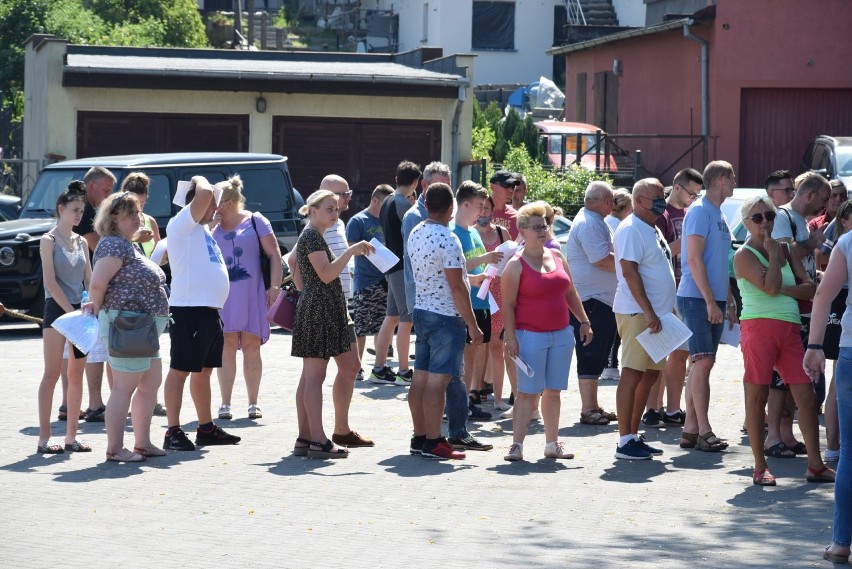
(126, 283)
(622, 206)
(243, 237)
(322, 329)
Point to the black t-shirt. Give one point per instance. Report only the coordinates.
(392, 227)
(87, 223)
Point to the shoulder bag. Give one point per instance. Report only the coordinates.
(133, 335)
(264, 259)
(283, 310)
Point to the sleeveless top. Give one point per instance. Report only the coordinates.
(541, 305)
(69, 268)
(758, 304)
(148, 247)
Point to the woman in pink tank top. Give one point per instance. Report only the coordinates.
(538, 297)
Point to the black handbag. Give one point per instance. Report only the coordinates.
(264, 259)
(133, 335)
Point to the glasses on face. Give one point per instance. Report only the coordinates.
(785, 190)
(691, 195)
(758, 217)
(538, 228)
(344, 195)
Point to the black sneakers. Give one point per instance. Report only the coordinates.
(468, 443)
(178, 441)
(475, 413)
(677, 418)
(215, 437)
(386, 375)
(652, 419)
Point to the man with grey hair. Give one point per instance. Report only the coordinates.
(590, 255)
(704, 298)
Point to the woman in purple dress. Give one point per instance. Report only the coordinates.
(243, 237)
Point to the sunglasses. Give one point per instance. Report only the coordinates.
(758, 217)
(538, 228)
(345, 195)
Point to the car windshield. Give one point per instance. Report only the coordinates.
(844, 161)
(42, 200)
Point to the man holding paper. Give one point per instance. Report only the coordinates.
(645, 292)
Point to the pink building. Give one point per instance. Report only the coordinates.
(778, 73)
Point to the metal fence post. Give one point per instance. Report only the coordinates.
(598, 150)
(637, 169)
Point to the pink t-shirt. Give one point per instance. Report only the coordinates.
(507, 219)
(541, 304)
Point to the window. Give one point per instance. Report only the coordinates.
(493, 25)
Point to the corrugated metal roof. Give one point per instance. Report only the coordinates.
(331, 71)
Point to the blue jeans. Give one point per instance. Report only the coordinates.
(456, 409)
(704, 341)
(843, 482)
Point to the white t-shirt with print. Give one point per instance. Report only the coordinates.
(335, 238)
(432, 247)
(645, 245)
(782, 229)
(199, 275)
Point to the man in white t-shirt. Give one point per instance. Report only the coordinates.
(199, 289)
(443, 316)
(646, 290)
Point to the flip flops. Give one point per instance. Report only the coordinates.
(824, 474)
(835, 557)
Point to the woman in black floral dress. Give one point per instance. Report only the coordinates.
(321, 329)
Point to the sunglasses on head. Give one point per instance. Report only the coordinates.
(758, 217)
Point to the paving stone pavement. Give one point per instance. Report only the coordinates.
(256, 505)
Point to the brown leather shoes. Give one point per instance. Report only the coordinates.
(352, 440)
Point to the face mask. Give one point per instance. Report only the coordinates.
(658, 206)
(484, 220)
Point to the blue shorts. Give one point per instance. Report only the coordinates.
(440, 342)
(548, 354)
(705, 336)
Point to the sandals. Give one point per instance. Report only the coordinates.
(607, 414)
(119, 457)
(63, 414)
(148, 452)
(47, 448)
(688, 440)
(762, 477)
(301, 447)
(824, 474)
(709, 442)
(77, 446)
(835, 557)
(799, 448)
(593, 417)
(96, 416)
(326, 450)
(254, 412)
(780, 451)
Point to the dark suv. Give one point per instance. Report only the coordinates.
(267, 187)
(831, 155)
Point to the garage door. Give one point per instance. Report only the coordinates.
(105, 134)
(777, 124)
(365, 152)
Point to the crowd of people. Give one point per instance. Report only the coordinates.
(635, 262)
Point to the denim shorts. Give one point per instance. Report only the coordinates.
(127, 365)
(705, 336)
(440, 343)
(548, 354)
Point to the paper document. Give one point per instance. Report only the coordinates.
(159, 251)
(383, 258)
(730, 336)
(523, 366)
(492, 304)
(183, 188)
(81, 329)
(667, 340)
(508, 248)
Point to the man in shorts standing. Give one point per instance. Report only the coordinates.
(646, 291)
(199, 289)
(443, 315)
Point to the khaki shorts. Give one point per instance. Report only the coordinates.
(633, 355)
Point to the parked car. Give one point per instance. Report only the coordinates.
(10, 207)
(268, 190)
(561, 133)
(561, 227)
(831, 155)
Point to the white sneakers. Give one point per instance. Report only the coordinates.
(611, 373)
(225, 412)
(556, 450)
(516, 452)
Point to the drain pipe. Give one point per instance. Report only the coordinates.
(454, 157)
(705, 95)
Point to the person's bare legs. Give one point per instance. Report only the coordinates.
(755, 403)
(512, 372)
(434, 397)
(674, 375)
(52, 346)
(362, 343)
(314, 375)
(480, 363)
(75, 392)
(551, 405)
(384, 338)
(805, 399)
(588, 394)
(228, 372)
(496, 369)
(252, 365)
(655, 395)
(348, 365)
(774, 412)
(124, 384)
(631, 396)
(302, 410)
(94, 382)
(698, 397)
(525, 403)
(199, 388)
(142, 405)
(416, 393)
(403, 344)
(173, 394)
(63, 375)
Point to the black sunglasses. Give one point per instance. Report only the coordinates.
(758, 217)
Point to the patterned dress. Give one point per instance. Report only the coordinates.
(321, 325)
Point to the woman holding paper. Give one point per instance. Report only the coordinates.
(66, 272)
(537, 296)
(770, 335)
(243, 237)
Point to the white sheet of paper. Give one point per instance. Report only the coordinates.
(80, 329)
(492, 304)
(383, 258)
(159, 251)
(667, 340)
(183, 188)
(523, 365)
(508, 248)
(730, 337)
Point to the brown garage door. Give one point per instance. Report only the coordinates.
(105, 134)
(777, 125)
(365, 152)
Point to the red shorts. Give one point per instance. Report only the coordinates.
(766, 344)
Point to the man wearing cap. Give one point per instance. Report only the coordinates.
(502, 188)
(199, 289)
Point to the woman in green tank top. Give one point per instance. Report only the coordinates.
(767, 271)
(149, 233)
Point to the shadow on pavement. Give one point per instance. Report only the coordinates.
(408, 466)
(634, 471)
(298, 465)
(34, 461)
(108, 470)
(526, 467)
